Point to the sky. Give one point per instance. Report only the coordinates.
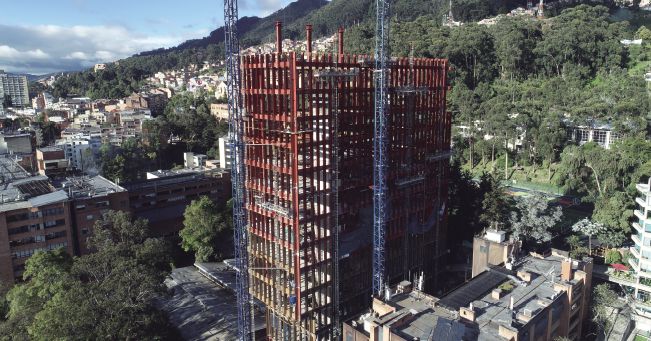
(44, 36)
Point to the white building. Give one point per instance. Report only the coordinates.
(192, 160)
(73, 150)
(16, 87)
(224, 153)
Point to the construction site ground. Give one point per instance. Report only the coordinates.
(200, 309)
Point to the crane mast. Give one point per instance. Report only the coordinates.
(236, 142)
(380, 187)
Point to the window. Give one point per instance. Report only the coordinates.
(26, 240)
(53, 211)
(482, 249)
(26, 228)
(81, 207)
(19, 267)
(55, 235)
(53, 223)
(123, 203)
(22, 216)
(101, 203)
(85, 230)
(599, 136)
(89, 217)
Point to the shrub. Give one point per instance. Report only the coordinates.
(506, 286)
(613, 257)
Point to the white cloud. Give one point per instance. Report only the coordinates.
(76, 55)
(10, 52)
(49, 48)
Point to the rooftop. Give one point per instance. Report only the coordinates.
(440, 316)
(22, 189)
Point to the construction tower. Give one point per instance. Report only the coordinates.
(309, 161)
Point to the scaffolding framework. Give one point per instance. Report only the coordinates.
(309, 172)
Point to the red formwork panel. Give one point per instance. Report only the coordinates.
(289, 127)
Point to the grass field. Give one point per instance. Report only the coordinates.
(640, 338)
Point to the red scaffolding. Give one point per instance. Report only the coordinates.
(289, 127)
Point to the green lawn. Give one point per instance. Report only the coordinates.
(640, 338)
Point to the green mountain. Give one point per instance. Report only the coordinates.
(325, 16)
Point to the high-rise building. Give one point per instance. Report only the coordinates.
(16, 87)
(294, 180)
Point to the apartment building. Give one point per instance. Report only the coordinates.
(163, 197)
(74, 150)
(51, 160)
(33, 216)
(549, 299)
(220, 111)
(224, 152)
(16, 87)
(91, 197)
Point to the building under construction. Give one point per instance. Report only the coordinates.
(309, 128)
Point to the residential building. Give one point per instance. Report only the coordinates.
(224, 152)
(74, 151)
(92, 197)
(163, 197)
(99, 67)
(20, 142)
(550, 299)
(16, 87)
(599, 132)
(192, 160)
(220, 111)
(51, 160)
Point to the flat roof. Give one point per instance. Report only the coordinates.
(490, 313)
(21, 189)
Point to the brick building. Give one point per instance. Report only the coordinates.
(163, 197)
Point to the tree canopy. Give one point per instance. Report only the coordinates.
(106, 295)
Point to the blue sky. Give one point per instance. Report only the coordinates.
(44, 36)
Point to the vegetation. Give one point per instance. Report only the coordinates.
(205, 222)
(107, 295)
(533, 218)
(506, 286)
(603, 297)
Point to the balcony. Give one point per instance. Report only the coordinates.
(644, 188)
(637, 226)
(640, 201)
(635, 252)
(639, 214)
(636, 239)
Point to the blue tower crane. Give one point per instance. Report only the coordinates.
(380, 187)
(238, 176)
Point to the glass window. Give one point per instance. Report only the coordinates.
(89, 217)
(81, 207)
(85, 231)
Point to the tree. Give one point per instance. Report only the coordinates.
(205, 221)
(495, 202)
(88, 161)
(107, 295)
(614, 238)
(603, 298)
(615, 211)
(589, 228)
(573, 241)
(613, 257)
(534, 217)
